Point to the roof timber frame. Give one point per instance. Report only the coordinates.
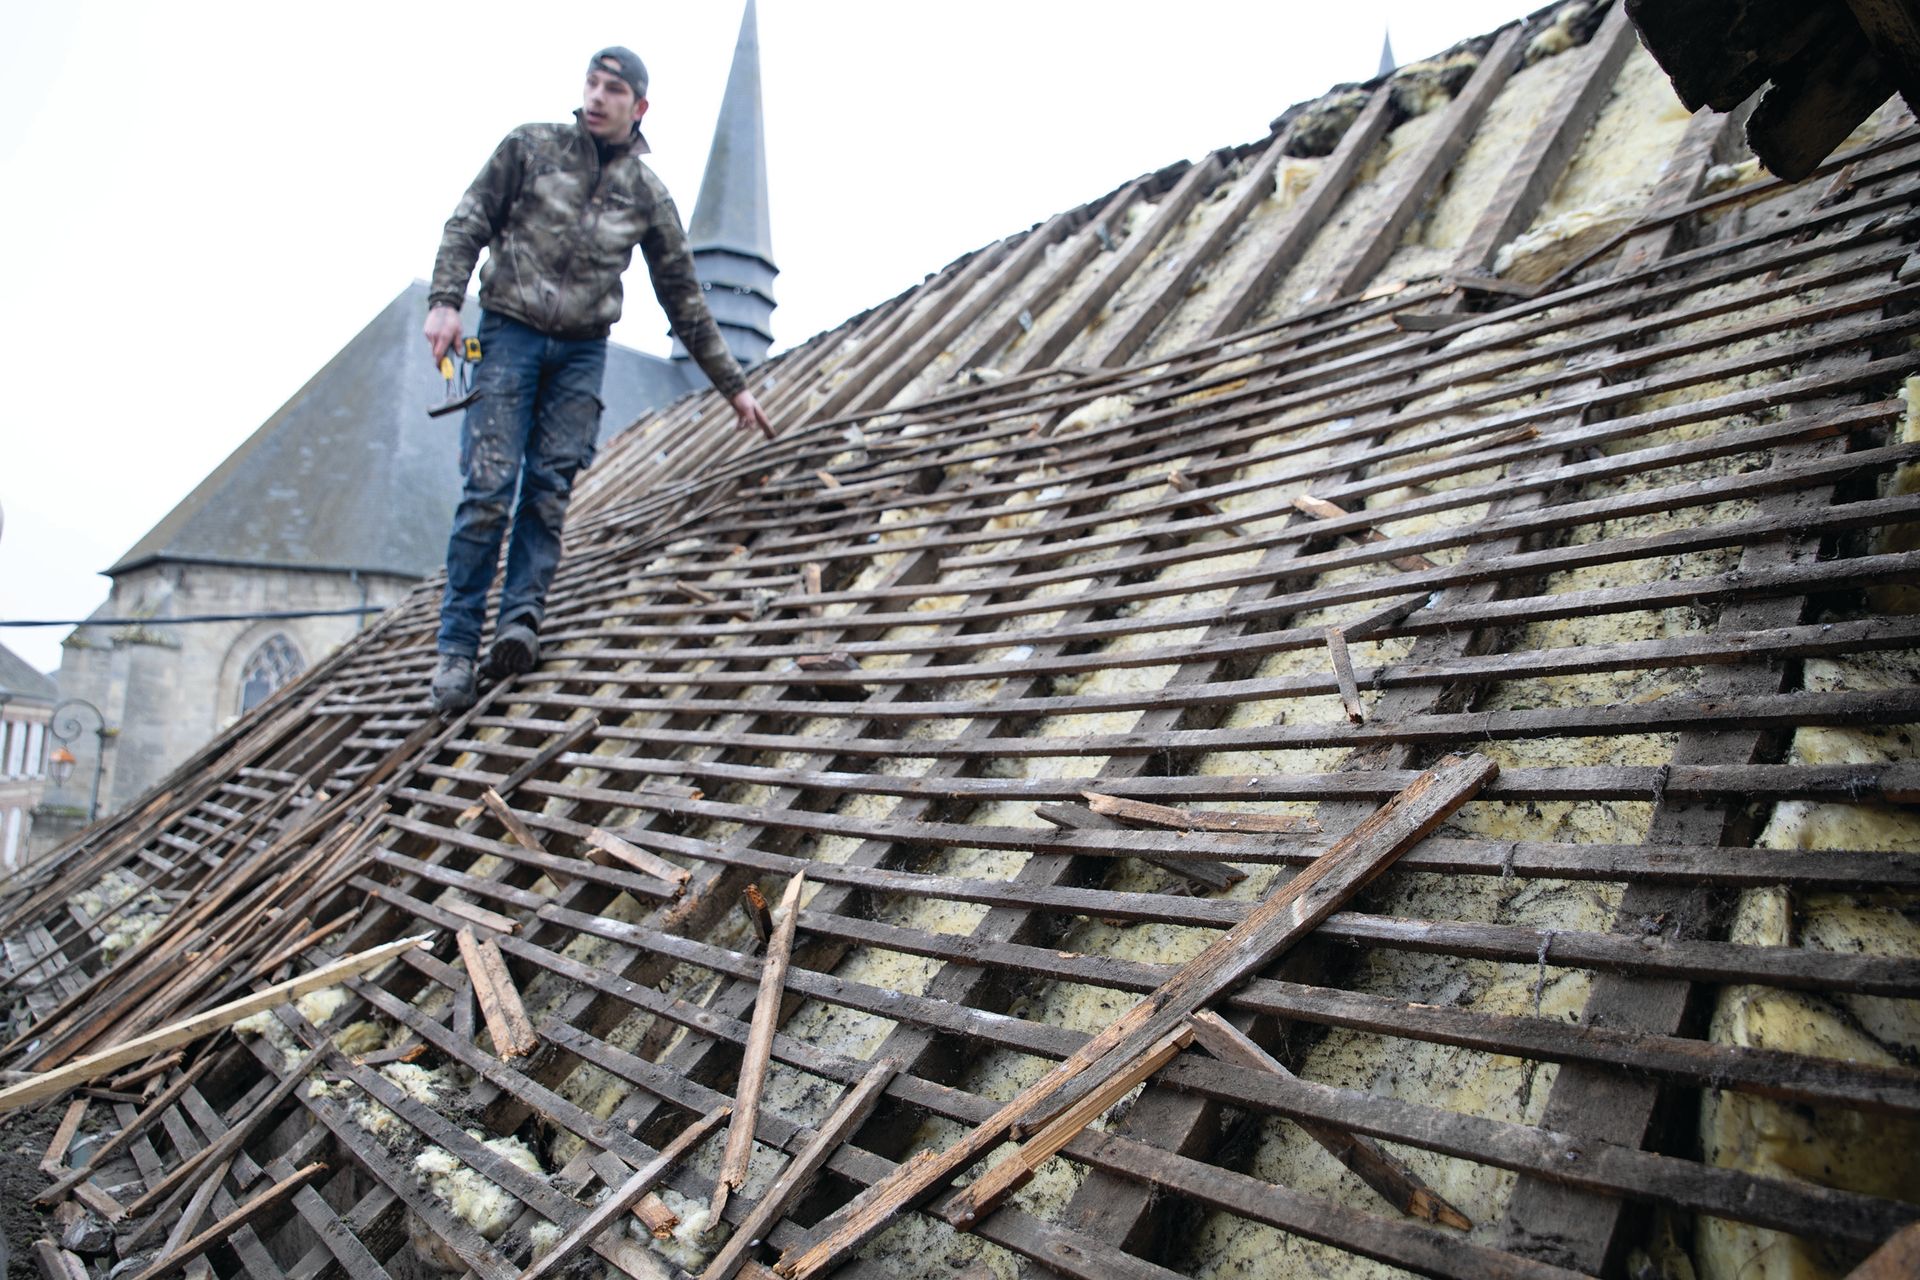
(676, 713)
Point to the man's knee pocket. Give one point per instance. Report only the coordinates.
(551, 506)
(571, 424)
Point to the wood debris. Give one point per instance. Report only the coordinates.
(759, 1048)
(851, 1112)
(1146, 814)
(1285, 917)
(499, 998)
(627, 1195)
(1379, 1168)
(52, 1083)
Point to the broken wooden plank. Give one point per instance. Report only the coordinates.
(48, 1084)
(196, 1209)
(55, 1158)
(654, 1214)
(1203, 871)
(232, 1222)
(759, 914)
(692, 592)
(626, 1196)
(230, 1142)
(639, 859)
(56, 1263)
(164, 1063)
(100, 1202)
(500, 1006)
(1180, 483)
(849, 1115)
(576, 733)
(1348, 866)
(759, 1050)
(1321, 509)
(1343, 675)
(126, 1134)
(1294, 911)
(1897, 1259)
(474, 913)
(516, 826)
(1376, 1166)
(982, 1196)
(1147, 814)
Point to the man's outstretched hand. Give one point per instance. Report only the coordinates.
(745, 407)
(443, 330)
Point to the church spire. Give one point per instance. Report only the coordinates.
(1387, 65)
(730, 233)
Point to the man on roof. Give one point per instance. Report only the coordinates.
(561, 208)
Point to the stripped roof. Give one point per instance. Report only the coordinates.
(1096, 584)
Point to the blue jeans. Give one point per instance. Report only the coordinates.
(535, 425)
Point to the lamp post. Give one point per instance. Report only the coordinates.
(65, 728)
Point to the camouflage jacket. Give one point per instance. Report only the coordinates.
(562, 228)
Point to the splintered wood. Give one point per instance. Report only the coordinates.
(500, 1005)
(93, 1066)
(1305, 900)
(753, 1062)
(854, 1108)
(624, 1197)
(984, 1195)
(1377, 1167)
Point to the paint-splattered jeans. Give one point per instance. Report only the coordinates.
(533, 428)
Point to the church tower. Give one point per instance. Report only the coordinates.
(730, 233)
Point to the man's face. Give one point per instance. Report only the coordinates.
(609, 107)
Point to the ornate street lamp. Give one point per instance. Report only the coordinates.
(65, 728)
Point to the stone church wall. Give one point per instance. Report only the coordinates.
(165, 689)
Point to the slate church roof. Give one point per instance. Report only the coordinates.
(351, 473)
(19, 679)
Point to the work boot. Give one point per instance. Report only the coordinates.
(453, 684)
(515, 651)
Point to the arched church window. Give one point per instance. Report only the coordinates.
(273, 664)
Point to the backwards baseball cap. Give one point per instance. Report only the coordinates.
(623, 62)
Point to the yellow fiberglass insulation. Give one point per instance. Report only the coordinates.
(1337, 243)
(1833, 1146)
(1421, 87)
(1629, 144)
(475, 1200)
(138, 912)
(1605, 190)
(1888, 539)
(1432, 241)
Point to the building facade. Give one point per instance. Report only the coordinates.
(26, 745)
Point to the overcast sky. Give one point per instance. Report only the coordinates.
(206, 201)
